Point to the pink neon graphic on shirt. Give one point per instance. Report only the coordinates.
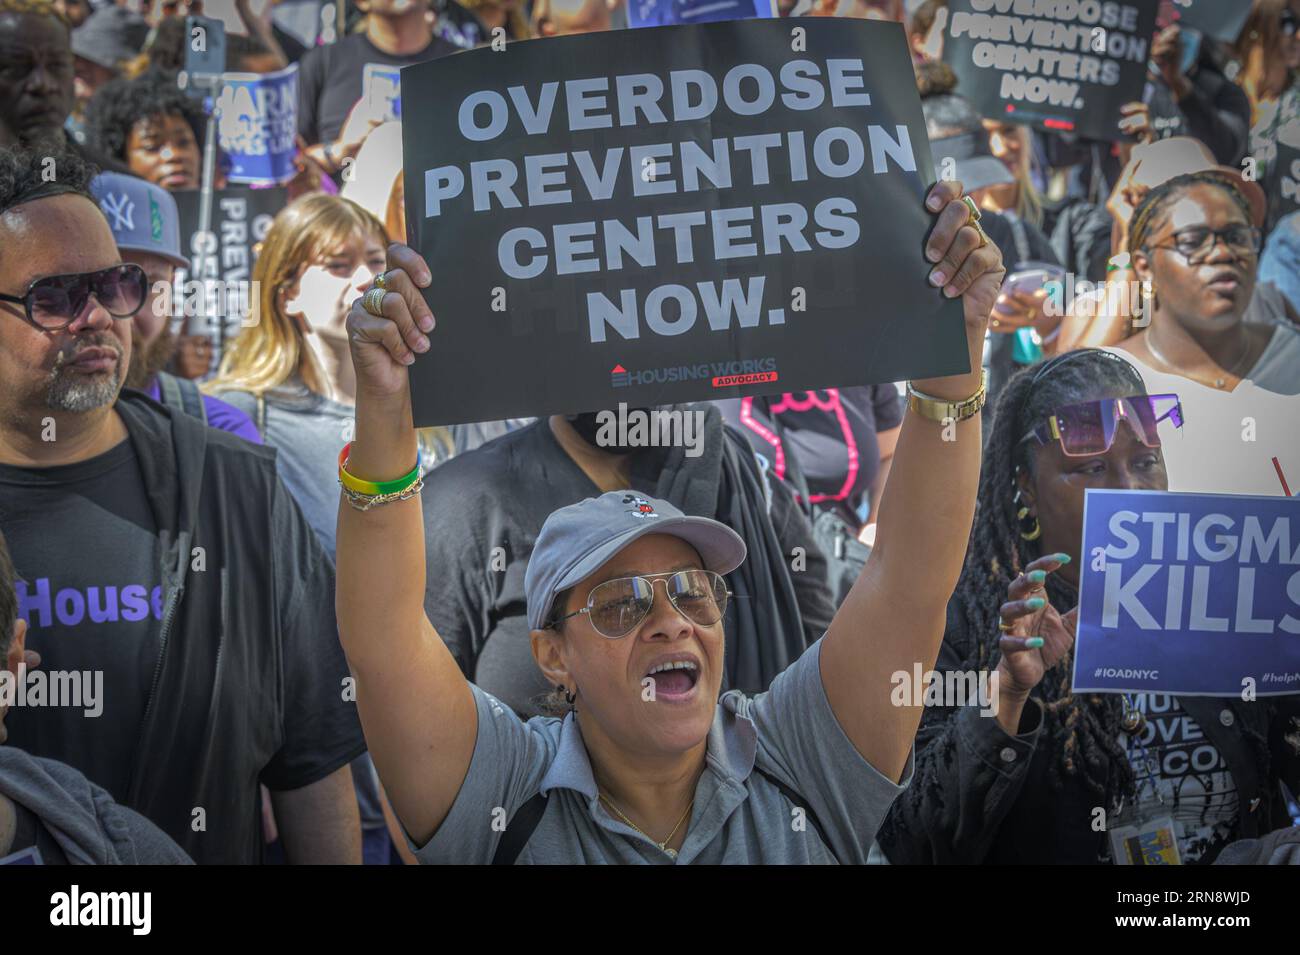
(748, 420)
(789, 402)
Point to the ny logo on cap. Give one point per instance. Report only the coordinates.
(122, 210)
(641, 507)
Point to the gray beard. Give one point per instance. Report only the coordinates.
(74, 393)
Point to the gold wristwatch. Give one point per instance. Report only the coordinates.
(944, 411)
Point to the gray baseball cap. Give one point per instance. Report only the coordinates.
(577, 540)
(143, 217)
(974, 165)
(109, 36)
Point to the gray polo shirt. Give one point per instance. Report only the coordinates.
(738, 817)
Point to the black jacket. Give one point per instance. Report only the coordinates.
(982, 796)
(248, 684)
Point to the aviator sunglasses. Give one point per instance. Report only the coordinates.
(617, 607)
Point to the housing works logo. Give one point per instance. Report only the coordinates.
(721, 374)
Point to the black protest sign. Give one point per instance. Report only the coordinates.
(1221, 19)
(1063, 65)
(216, 292)
(671, 214)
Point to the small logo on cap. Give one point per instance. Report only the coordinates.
(155, 220)
(640, 506)
(121, 210)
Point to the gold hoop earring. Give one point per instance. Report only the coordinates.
(1037, 530)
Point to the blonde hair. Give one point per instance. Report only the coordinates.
(1029, 205)
(273, 349)
(1259, 48)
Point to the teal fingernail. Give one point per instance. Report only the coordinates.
(1037, 576)
(1034, 643)
(1062, 558)
(1035, 603)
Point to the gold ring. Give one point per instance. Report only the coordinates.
(1004, 626)
(975, 214)
(381, 281)
(373, 302)
(984, 239)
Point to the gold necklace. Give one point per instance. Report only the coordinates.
(1218, 382)
(663, 846)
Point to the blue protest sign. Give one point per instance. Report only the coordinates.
(257, 122)
(381, 85)
(659, 13)
(1190, 594)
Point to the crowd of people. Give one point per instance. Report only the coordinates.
(325, 635)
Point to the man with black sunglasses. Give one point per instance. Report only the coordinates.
(139, 539)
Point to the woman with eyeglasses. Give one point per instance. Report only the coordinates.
(1193, 240)
(1048, 776)
(625, 601)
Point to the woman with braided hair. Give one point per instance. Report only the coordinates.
(1194, 242)
(1039, 779)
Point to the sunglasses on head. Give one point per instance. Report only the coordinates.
(54, 302)
(617, 607)
(1089, 427)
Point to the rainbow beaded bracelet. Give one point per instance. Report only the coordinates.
(375, 488)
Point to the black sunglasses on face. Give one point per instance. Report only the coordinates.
(54, 302)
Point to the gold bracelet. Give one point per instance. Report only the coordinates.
(944, 411)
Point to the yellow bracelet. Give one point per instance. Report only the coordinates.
(373, 488)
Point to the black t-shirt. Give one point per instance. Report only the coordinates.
(249, 688)
(85, 549)
(329, 81)
(831, 433)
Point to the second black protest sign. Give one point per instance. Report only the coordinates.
(239, 220)
(671, 214)
(1065, 65)
(1221, 19)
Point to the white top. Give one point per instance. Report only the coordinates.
(1229, 438)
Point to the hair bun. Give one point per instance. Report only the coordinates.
(935, 78)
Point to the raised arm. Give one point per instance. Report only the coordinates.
(416, 708)
(893, 617)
